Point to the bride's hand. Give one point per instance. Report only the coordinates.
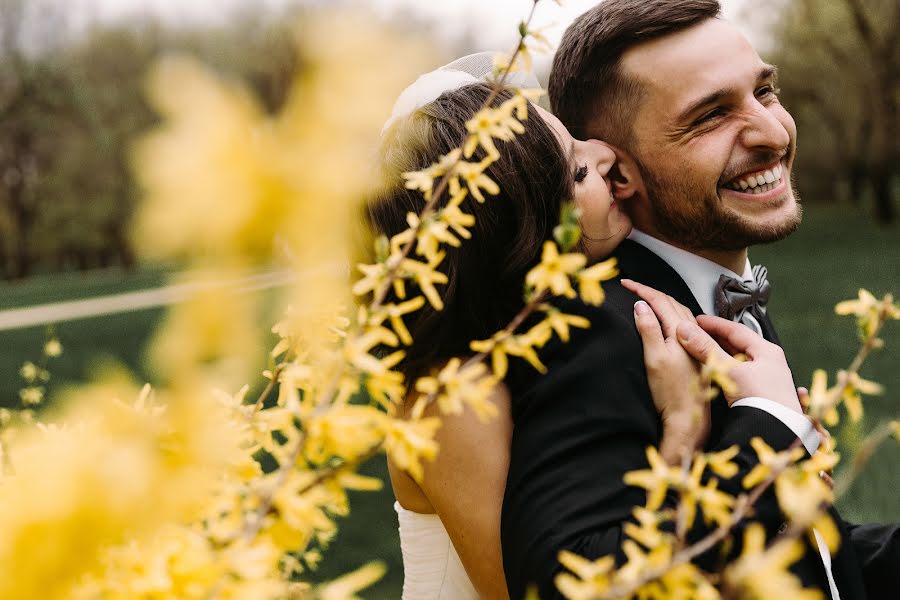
(671, 372)
(765, 373)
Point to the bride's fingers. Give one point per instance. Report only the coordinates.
(736, 338)
(685, 312)
(650, 294)
(649, 329)
(663, 305)
(700, 345)
(803, 396)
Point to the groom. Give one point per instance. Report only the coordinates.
(709, 151)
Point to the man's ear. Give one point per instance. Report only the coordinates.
(625, 177)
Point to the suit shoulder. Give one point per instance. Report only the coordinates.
(612, 329)
(593, 358)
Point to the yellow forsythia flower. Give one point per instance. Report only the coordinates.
(822, 400)
(720, 462)
(29, 371)
(490, 123)
(762, 573)
(870, 312)
(851, 393)
(769, 461)
(455, 388)
(591, 577)
(53, 348)
(409, 441)
(472, 174)
(31, 396)
(346, 586)
(589, 281)
(426, 277)
(554, 271)
(655, 479)
(560, 322)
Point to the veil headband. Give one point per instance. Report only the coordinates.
(472, 68)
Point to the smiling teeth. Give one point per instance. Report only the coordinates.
(757, 183)
(763, 188)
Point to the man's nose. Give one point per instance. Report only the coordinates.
(764, 130)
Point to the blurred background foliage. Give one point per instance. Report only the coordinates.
(839, 72)
(71, 104)
(71, 101)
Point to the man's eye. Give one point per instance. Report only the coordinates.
(710, 116)
(581, 173)
(767, 91)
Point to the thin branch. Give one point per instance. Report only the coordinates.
(743, 506)
(393, 269)
(867, 449)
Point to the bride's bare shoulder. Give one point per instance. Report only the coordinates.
(472, 438)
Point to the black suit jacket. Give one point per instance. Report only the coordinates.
(582, 426)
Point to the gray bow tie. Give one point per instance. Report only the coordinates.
(734, 297)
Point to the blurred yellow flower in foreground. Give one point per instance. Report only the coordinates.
(115, 469)
(869, 311)
(762, 573)
(229, 186)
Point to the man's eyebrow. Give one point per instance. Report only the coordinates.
(766, 72)
(710, 98)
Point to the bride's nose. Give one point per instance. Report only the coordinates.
(604, 156)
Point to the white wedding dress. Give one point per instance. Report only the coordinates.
(432, 569)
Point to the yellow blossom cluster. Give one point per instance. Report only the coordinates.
(552, 276)
(657, 552)
(254, 487)
(871, 315)
(185, 491)
(36, 375)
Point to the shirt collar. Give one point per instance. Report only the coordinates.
(701, 275)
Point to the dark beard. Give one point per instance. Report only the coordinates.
(702, 222)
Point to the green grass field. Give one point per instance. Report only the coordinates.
(834, 253)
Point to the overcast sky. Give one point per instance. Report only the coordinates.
(493, 21)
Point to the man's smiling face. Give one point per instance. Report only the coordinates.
(714, 145)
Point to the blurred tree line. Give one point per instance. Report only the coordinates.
(69, 107)
(71, 102)
(839, 70)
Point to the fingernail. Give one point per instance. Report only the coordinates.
(625, 280)
(686, 330)
(641, 308)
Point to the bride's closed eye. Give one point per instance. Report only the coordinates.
(581, 173)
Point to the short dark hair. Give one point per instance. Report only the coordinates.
(486, 274)
(588, 90)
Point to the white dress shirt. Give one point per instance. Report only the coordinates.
(701, 276)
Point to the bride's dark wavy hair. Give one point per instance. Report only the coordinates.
(486, 274)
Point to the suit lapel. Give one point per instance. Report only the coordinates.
(768, 329)
(638, 263)
(643, 265)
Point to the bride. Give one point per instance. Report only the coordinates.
(450, 523)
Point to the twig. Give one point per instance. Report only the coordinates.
(743, 505)
(498, 86)
(870, 444)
